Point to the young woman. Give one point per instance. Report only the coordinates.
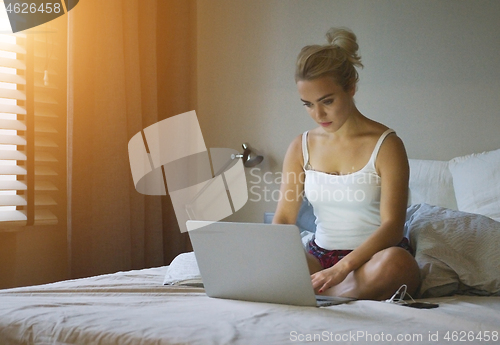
(354, 171)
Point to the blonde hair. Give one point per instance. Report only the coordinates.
(337, 59)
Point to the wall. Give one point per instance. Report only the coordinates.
(33, 255)
(431, 73)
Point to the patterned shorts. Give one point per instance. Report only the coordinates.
(328, 258)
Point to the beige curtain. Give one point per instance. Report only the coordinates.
(131, 64)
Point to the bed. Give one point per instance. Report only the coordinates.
(452, 220)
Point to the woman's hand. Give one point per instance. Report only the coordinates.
(325, 279)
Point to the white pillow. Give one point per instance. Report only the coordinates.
(431, 182)
(476, 179)
(457, 252)
(183, 270)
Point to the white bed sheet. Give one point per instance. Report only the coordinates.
(135, 308)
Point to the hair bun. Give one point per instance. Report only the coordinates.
(346, 40)
(338, 59)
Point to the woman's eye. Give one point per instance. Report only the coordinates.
(328, 101)
(307, 105)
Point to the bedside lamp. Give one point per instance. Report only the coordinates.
(229, 171)
(249, 160)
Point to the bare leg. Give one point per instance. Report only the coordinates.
(381, 276)
(313, 263)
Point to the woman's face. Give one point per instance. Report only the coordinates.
(326, 102)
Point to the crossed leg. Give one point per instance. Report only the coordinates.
(379, 278)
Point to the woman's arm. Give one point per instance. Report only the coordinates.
(292, 185)
(392, 166)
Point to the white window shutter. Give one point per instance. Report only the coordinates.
(33, 126)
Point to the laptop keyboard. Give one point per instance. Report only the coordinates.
(325, 301)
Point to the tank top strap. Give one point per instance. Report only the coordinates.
(305, 151)
(373, 157)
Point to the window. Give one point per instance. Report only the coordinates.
(32, 124)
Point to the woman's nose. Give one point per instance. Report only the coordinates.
(320, 112)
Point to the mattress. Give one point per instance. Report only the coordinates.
(135, 307)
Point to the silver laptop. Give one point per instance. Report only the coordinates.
(255, 262)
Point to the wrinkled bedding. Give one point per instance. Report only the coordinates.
(136, 308)
(456, 251)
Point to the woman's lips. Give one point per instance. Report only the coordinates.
(325, 124)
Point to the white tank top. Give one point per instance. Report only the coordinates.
(347, 207)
